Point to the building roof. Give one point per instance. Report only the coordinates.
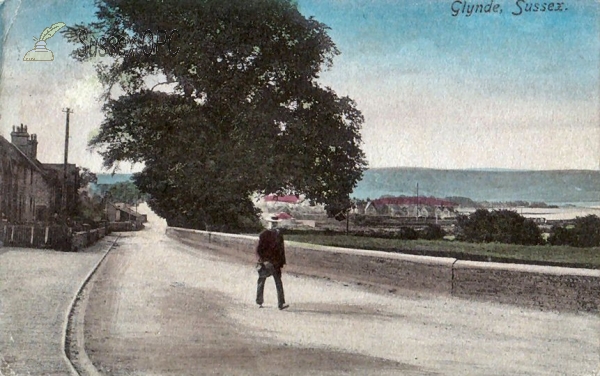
(49, 171)
(284, 215)
(13, 152)
(126, 209)
(60, 167)
(290, 199)
(378, 207)
(425, 201)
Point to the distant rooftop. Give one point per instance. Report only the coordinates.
(287, 199)
(428, 201)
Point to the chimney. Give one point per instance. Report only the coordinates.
(21, 139)
(33, 146)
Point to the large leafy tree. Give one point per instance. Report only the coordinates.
(242, 113)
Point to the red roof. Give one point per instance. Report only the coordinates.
(288, 199)
(284, 215)
(427, 201)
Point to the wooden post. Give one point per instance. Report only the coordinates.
(32, 232)
(46, 235)
(417, 201)
(347, 221)
(65, 200)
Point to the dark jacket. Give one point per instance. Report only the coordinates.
(271, 248)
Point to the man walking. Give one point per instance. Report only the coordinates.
(270, 252)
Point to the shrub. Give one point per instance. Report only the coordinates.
(502, 226)
(406, 233)
(584, 233)
(561, 236)
(432, 232)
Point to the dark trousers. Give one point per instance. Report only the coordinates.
(278, 285)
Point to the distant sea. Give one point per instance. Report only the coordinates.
(558, 187)
(112, 179)
(561, 187)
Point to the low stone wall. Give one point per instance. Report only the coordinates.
(368, 267)
(544, 287)
(398, 271)
(125, 226)
(80, 240)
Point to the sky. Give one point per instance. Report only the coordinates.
(439, 87)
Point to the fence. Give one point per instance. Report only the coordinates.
(34, 236)
(51, 236)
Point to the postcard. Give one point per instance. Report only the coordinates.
(155, 155)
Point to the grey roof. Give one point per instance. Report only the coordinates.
(16, 154)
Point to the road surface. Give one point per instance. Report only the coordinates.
(36, 290)
(159, 307)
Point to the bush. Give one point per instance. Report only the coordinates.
(584, 233)
(561, 236)
(406, 233)
(432, 232)
(502, 226)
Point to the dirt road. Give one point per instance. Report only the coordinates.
(159, 307)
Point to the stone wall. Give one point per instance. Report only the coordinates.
(544, 287)
(125, 226)
(80, 240)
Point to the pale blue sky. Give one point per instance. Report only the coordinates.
(489, 90)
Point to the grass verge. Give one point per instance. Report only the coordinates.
(541, 255)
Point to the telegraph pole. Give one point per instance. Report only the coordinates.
(417, 200)
(65, 201)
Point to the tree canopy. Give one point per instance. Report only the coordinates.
(225, 105)
(86, 177)
(125, 192)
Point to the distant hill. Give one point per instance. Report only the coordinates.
(556, 186)
(112, 179)
(105, 180)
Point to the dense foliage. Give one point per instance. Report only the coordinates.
(433, 232)
(86, 177)
(242, 112)
(502, 226)
(84, 207)
(585, 232)
(91, 208)
(125, 192)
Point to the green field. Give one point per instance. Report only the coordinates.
(543, 255)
